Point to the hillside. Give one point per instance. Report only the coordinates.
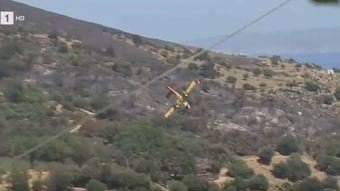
(58, 71)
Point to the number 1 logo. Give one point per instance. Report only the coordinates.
(6, 18)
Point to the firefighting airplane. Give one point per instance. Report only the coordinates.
(182, 98)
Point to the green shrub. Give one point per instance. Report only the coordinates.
(193, 66)
(207, 70)
(245, 76)
(279, 170)
(95, 185)
(20, 180)
(239, 168)
(247, 86)
(60, 178)
(37, 185)
(309, 184)
(337, 93)
(257, 71)
(331, 165)
(231, 79)
(330, 183)
(266, 155)
(177, 186)
(195, 183)
(328, 99)
(294, 169)
(14, 92)
(288, 145)
(10, 49)
(312, 86)
(258, 182)
(268, 73)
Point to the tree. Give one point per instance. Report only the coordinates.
(266, 155)
(279, 170)
(330, 183)
(258, 182)
(287, 145)
(95, 185)
(20, 180)
(60, 179)
(239, 168)
(330, 164)
(310, 184)
(177, 186)
(195, 183)
(294, 169)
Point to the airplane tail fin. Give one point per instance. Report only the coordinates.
(170, 92)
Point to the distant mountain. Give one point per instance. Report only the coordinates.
(310, 45)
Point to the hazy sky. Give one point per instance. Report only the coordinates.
(185, 20)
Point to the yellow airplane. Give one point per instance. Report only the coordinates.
(182, 99)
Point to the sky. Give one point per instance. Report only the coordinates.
(187, 20)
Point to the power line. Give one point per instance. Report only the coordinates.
(141, 88)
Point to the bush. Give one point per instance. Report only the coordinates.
(60, 179)
(245, 76)
(266, 155)
(337, 93)
(192, 66)
(263, 85)
(215, 166)
(287, 146)
(330, 183)
(53, 35)
(240, 169)
(20, 180)
(231, 79)
(268, 73)
(257, 71)
(312, 86)
(310, 184)
(247, 86)
(330, 165)
(294, 169)
(258, 182)
(177, 186)
(195, 183)
(10, 49)
(279, 170)
(95, 185)
(14, 92)
(63, 49)
(37, 186)
(207, 70)
(328, 99)
(110, 51)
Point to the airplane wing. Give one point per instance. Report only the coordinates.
(170, 112)
(191, 86)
